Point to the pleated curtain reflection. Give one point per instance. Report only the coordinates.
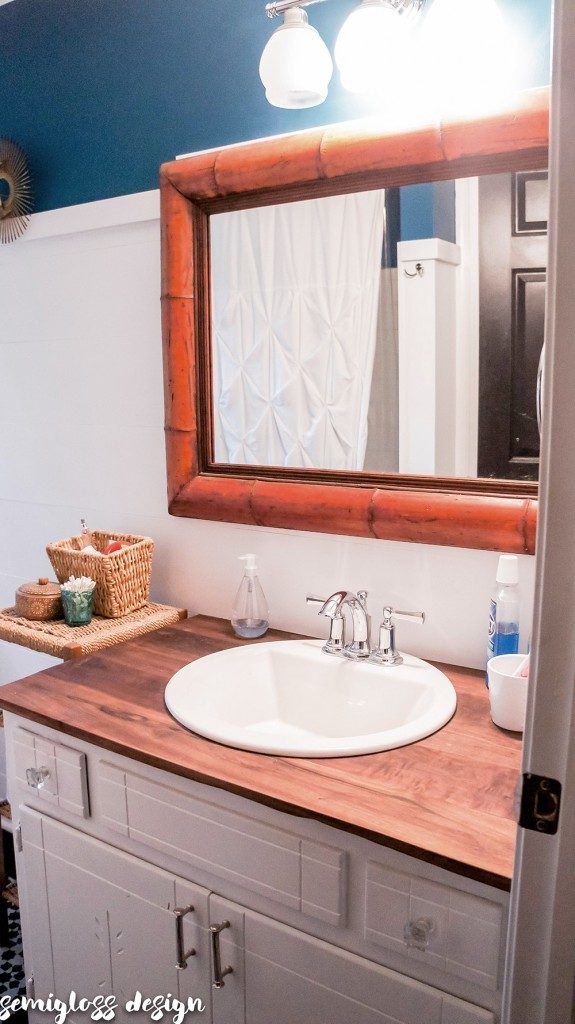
(295, 293)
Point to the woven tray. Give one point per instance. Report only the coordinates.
(62, 641)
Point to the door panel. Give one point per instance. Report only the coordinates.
(106, 921)
(36, 919)
(79, 926)
(513, 260)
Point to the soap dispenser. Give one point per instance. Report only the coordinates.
(250, 616)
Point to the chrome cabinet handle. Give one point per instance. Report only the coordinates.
(219, 972)
(418, 933)
(37, 777)
(182, 954)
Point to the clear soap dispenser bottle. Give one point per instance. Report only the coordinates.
(250, 616)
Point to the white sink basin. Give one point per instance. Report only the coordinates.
(291, 698)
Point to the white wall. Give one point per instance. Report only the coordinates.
(81, 433)
(427, 327)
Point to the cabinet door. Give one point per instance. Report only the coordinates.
(292, 978)
(101, 922)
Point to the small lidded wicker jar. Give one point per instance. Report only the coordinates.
(39, 601)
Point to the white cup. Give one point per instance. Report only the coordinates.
(507, 693)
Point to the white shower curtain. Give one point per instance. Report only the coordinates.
(294, 318)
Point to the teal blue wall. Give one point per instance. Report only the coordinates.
(427, 211)
(100, 92)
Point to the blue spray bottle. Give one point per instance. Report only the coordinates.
(504, 609)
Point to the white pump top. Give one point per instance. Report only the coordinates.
(508, 570)
(250, 567)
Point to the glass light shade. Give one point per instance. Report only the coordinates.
(469, 57)
(296, 66)
(370, 48)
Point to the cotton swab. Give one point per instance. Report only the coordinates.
(522, 669)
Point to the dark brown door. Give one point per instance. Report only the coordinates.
(512, 272)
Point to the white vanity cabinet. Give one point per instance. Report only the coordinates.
(308, 918)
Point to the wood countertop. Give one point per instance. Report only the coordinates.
(447, 799)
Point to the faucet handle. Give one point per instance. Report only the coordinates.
(390, 613)
(386, 653)
(312, 599)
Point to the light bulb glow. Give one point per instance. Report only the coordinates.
(295, 66)
(371, 48)
(469, 57)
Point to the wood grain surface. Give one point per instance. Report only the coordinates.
(490, 514)
(447, 799)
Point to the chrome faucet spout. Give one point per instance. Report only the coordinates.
(336, 641)
(334, 604)
(333, 609)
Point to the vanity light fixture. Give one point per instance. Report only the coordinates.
(296, 66)
(371, 47)
(469, 55)
(463, 56)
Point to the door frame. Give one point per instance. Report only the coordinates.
(540, 964)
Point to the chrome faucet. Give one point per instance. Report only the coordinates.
(360, 646)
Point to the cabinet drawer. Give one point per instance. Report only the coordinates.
(65, 782)
(301, 874)
(458, 932)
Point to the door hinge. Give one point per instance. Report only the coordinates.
(540, 803)
(18, 838)
(30, 989)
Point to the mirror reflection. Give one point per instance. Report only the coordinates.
(394, 331)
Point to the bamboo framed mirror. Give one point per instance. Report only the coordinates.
(339, 160)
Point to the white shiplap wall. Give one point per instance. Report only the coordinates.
(81, 433)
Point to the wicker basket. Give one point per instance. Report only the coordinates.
(122, 578)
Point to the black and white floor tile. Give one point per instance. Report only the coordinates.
(12, 980)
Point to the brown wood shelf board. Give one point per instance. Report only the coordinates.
(66, 642)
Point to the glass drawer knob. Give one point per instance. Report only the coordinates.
(37, 777)
(418, 933)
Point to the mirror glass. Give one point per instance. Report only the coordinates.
(395, 331)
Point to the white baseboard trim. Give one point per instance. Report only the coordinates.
(105, 213)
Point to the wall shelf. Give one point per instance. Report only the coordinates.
(66, 642)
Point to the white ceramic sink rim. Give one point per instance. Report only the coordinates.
(289, 698)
